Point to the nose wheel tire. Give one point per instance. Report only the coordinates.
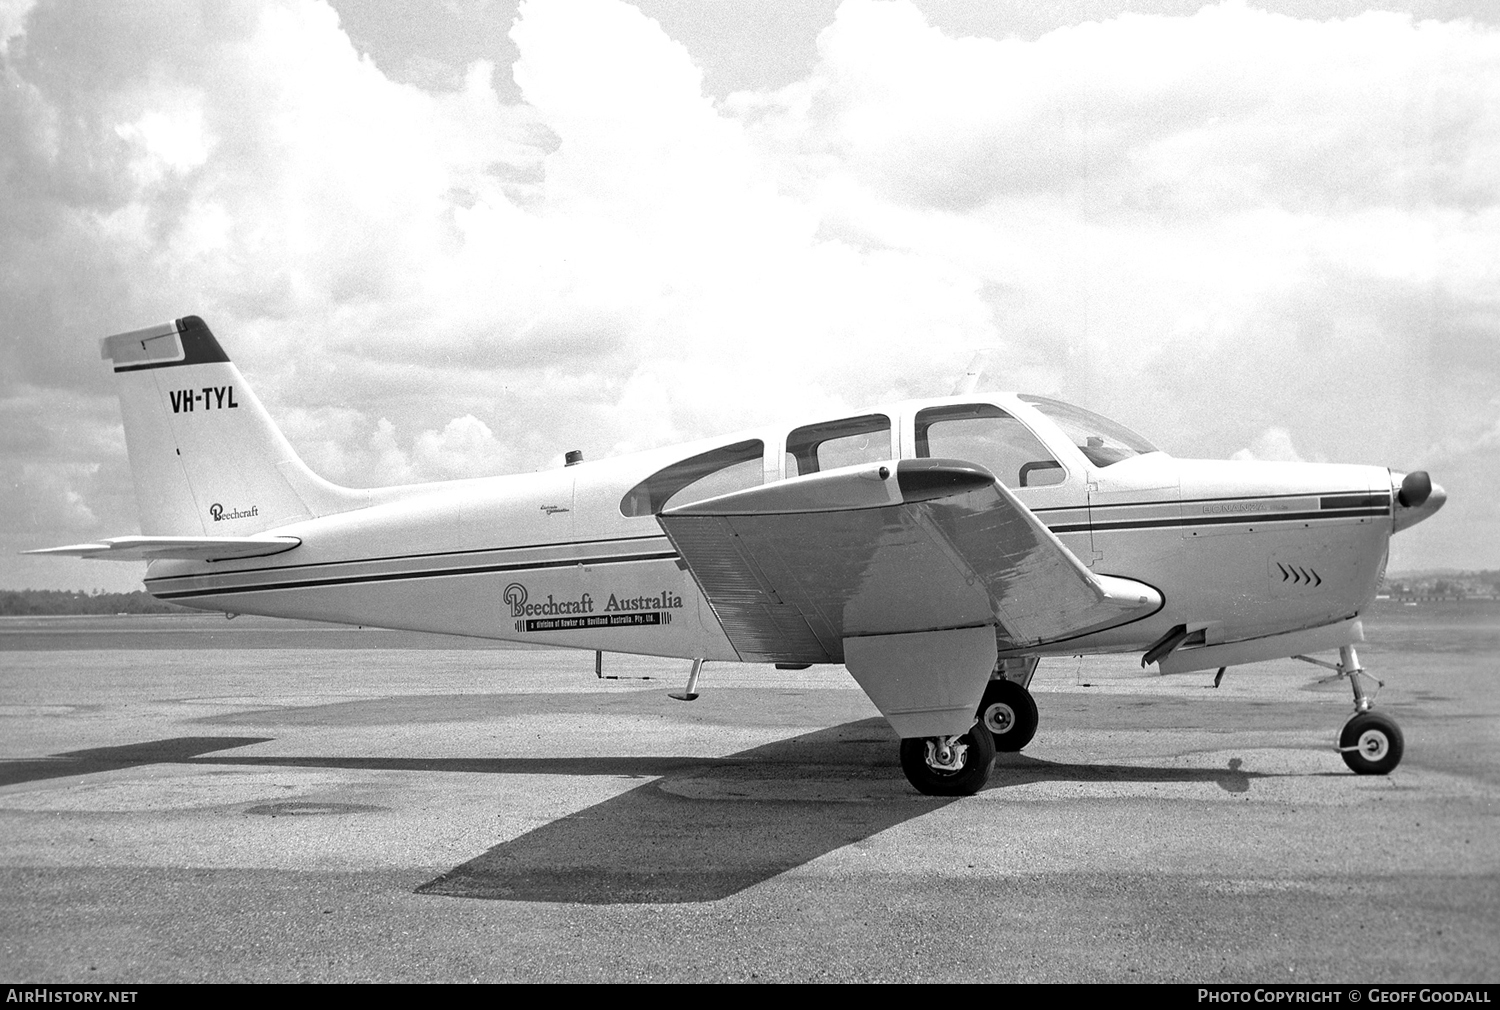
(1008, 711)
(1371, 744)
(949, 766)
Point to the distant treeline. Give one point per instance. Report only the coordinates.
(28, 602)
(1482, 584)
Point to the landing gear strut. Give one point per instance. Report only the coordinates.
(949, 765)
(1370, 742)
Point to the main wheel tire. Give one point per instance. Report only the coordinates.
(1371, 744)
(1008, 711)
(966, 780)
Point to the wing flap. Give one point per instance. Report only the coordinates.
(178, 548)
(794, 568)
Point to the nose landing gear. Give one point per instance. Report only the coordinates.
(1370, 742)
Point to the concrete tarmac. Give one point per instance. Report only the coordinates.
(186, 799)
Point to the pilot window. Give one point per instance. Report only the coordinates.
(830, 444)
(706, 475)
(983, 433)
(1103, 441)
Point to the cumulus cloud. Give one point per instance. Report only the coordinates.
(1165, 114)
(1212, 225)
(1272, 444)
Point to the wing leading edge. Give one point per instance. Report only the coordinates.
(794, 568)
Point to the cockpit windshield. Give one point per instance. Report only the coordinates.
(1101, 440)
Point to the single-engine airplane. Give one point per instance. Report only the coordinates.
(938, 548)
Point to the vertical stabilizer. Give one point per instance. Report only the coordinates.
(205, 455)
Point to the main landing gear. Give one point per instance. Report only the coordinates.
(1007, 709)
(1009, 713)
(960, 765)
(949, 765)
(1370, 742)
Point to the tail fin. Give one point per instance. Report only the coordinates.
(205, 455)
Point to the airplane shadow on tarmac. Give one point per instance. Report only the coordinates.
(727, 825)
(706, 832)
(701, 829)
(107, 759)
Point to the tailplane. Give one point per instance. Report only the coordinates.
(206, 457)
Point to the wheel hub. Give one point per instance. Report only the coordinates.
(999, 718)
(1373, 744)
(946, 754)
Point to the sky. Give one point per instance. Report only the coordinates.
(459, 238)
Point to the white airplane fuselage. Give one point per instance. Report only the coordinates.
(1237, 550)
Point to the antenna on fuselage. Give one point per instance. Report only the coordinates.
(970, 379)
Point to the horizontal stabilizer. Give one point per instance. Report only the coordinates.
(179, 548)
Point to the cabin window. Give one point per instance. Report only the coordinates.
(706, 475)
(983, 433)
(1101, 440)
(846, 442)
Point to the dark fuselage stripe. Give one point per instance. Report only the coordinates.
(400, 576)
(1237, 519)
(1356, 501)
(1341, 499)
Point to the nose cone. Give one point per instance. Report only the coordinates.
(1415, 497)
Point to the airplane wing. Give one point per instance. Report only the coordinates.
(794, 568)
(180, 548)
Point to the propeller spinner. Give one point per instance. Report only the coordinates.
(1415, 489)
(1417, 497)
